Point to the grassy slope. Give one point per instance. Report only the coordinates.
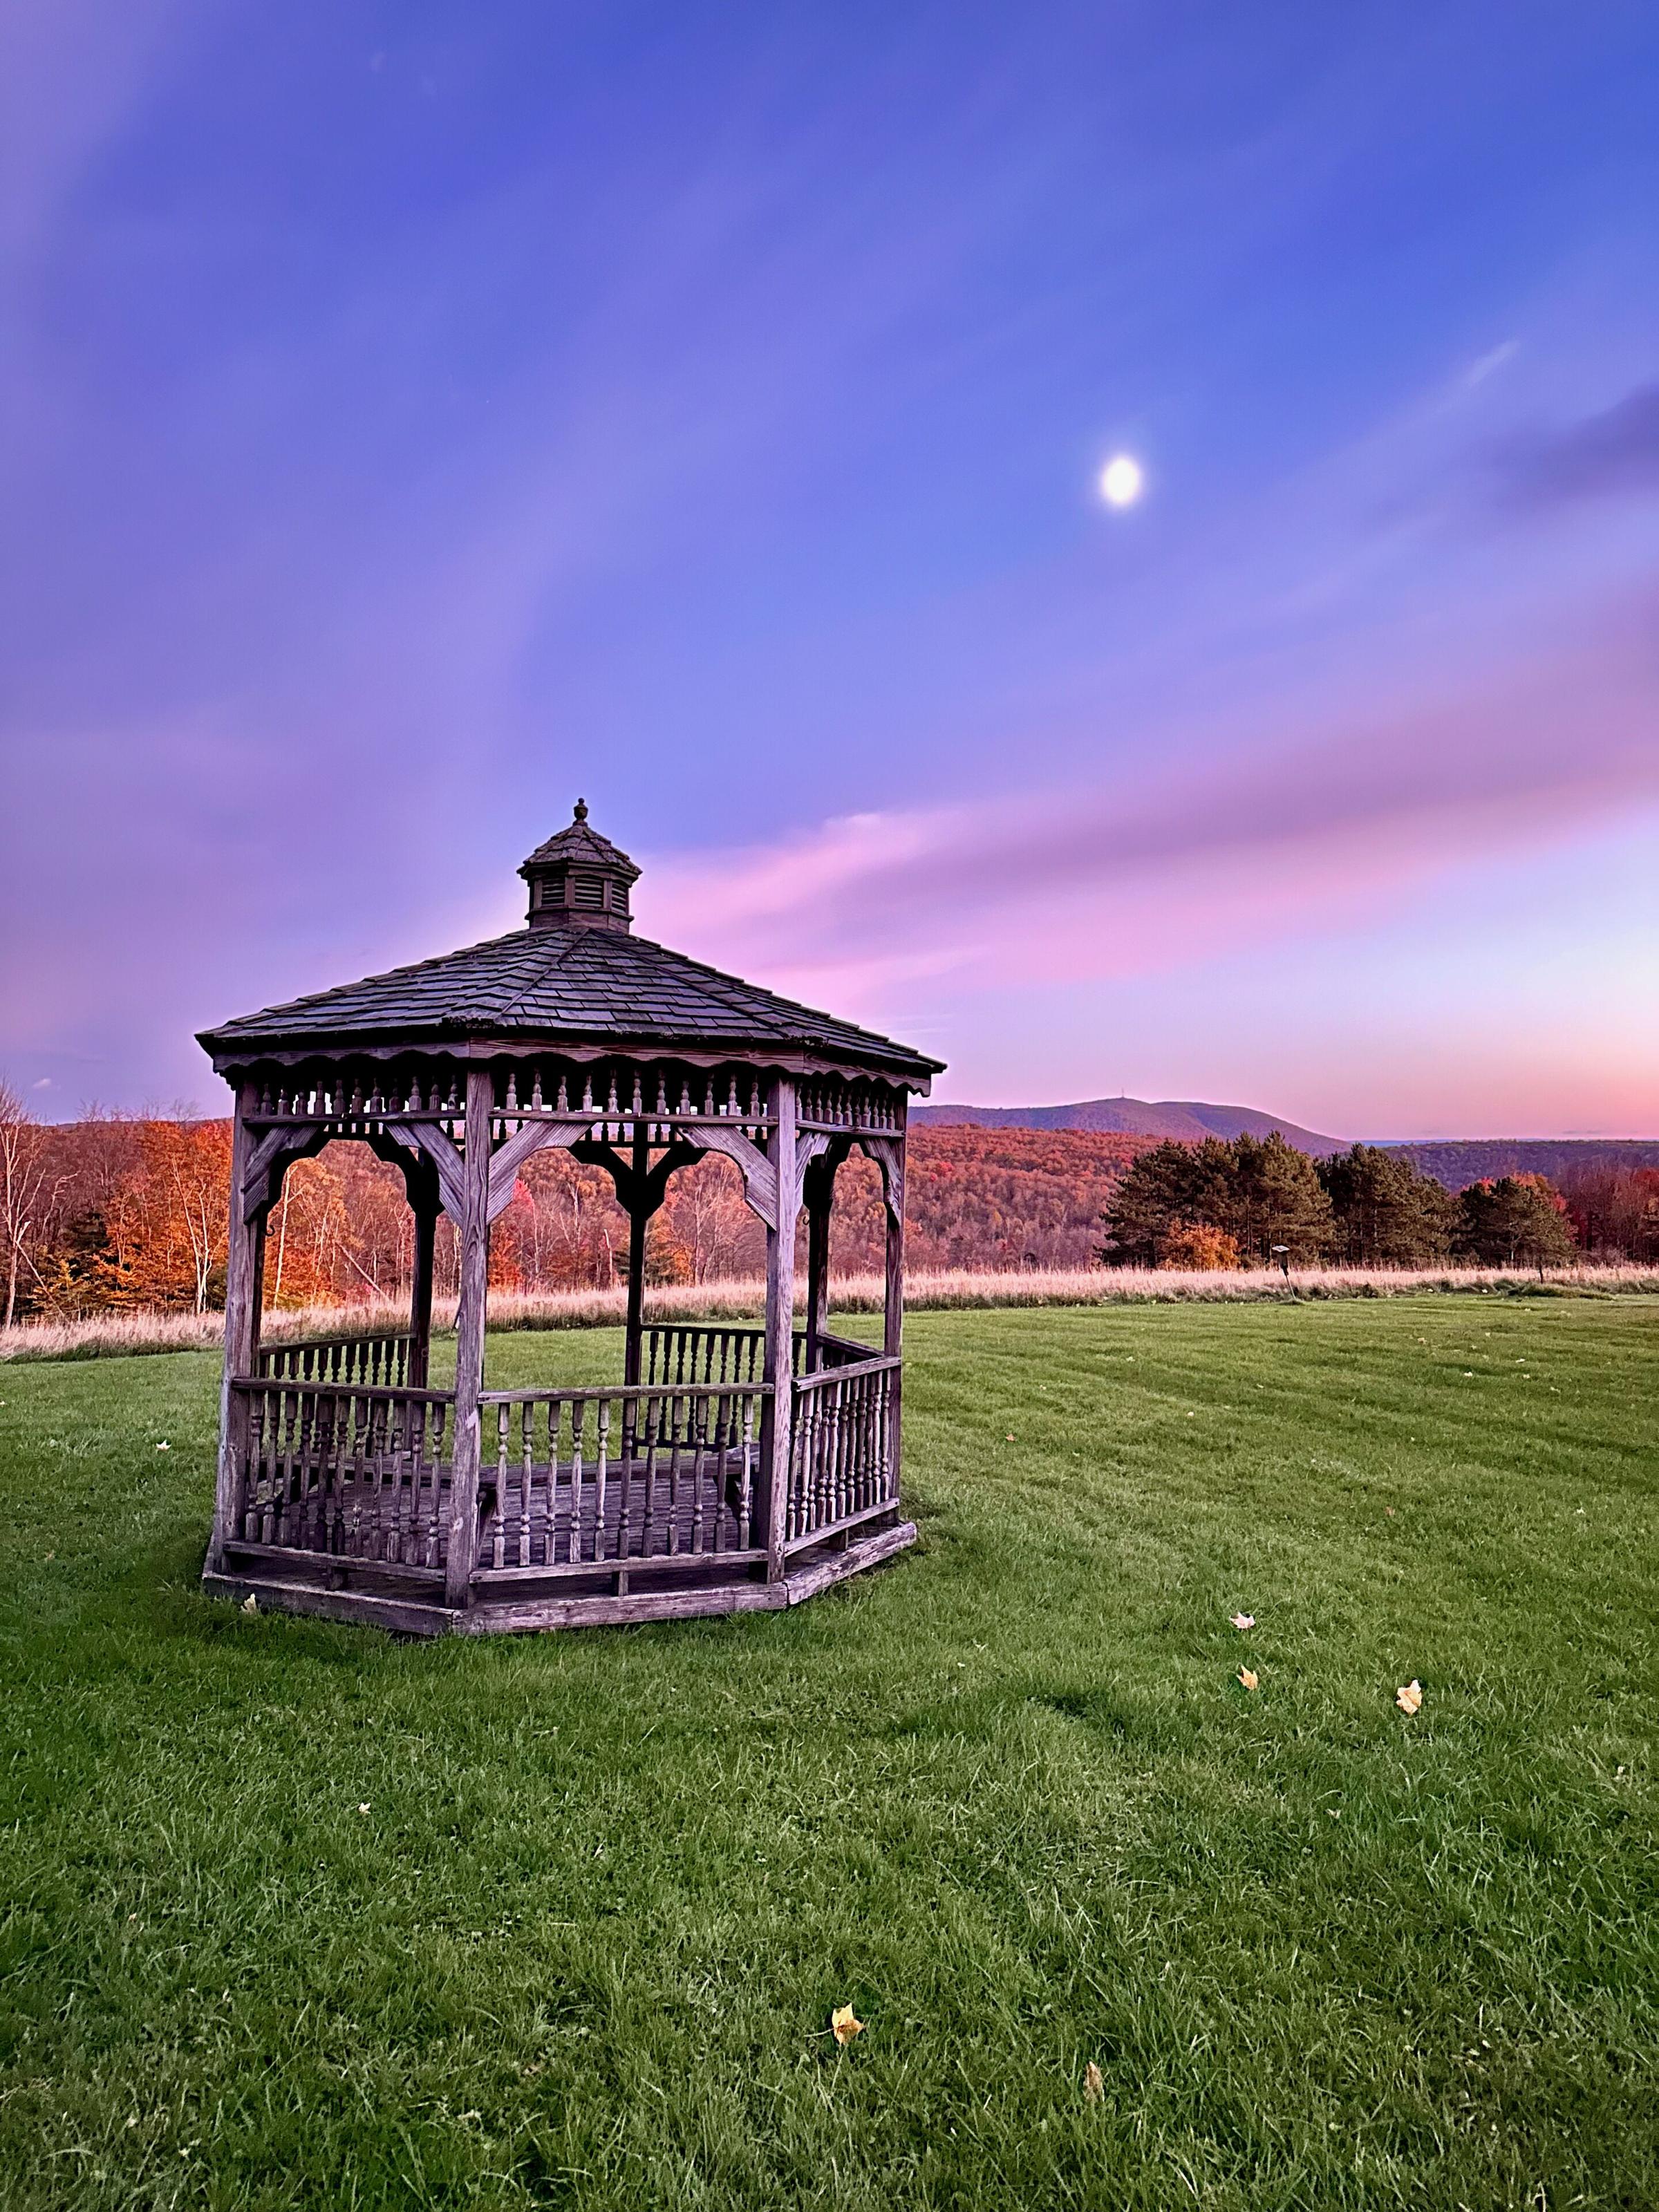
(1006, 1797)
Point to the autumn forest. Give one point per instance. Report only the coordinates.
(115, 1211)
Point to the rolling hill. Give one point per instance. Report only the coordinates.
(1190, 1120)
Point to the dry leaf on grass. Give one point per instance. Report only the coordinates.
(1093, 2087)
(844, 2024)
(1243, 1620)
(1409, 1696)
(1251, 1681)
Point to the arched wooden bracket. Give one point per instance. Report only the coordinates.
(760, 1177)
(444, 1154)
(420, 1176)
(636, 1193)
(269, 1161)
(888, 1153)
(277, 1151)
(510, 1154)
(816, 1158)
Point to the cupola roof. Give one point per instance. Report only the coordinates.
(579, 879)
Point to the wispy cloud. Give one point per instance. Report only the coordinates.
(1161, 867)
(75, 70)
(1490, 363)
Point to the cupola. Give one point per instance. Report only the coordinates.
(578, 880)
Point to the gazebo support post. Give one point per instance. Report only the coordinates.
(892, 1320)
(467, 1439)
(820, 1196)
(242, 1257)
(639, 1210)
(257, 1290)
(778, 1421)
(427, 1208)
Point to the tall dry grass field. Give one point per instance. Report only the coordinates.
(937, 1290)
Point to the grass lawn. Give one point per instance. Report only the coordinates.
(294, 1915)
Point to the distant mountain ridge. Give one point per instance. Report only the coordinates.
(1477, 1159)
(1189, 1120)
(1453, 1162)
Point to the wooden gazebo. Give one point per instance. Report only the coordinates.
(730, 1467)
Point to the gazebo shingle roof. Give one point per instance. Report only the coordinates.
(573, 983)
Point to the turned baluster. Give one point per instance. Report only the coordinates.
(602, 1446)
(498, 1518)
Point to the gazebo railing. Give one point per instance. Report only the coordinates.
(603, 1477)
(683, 1353)
(380, 1359)
(574, 1481)
(838, 1351)
(678, 1352)
(703, 1352)
(842, 1469)
(351, 1469)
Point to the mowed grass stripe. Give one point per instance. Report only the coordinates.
(1007, 1798)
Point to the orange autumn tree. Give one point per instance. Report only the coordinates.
(562, 1229)
(166, 1223)
(710, 1231)
(342, 1229)
(1199, 1246)
(306, 1234)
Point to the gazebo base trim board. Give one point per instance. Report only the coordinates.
(371, 1593)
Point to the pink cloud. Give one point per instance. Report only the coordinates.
(1161, 866)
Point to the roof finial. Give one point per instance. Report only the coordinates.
(582, 810)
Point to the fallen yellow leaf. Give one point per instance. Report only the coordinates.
(1251, 1681)
(1409, 1697)
(1093, 2087)
(844, 2024)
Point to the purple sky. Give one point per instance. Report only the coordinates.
(411, 417)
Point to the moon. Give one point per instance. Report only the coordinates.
(1121, 480)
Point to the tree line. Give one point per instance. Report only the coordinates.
(120, 1210)
(1255, 1201)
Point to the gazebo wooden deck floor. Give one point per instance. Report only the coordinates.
(732, 1467)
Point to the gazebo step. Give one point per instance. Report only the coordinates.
(402, 1616)
(498, 1612)
(811, 1573)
